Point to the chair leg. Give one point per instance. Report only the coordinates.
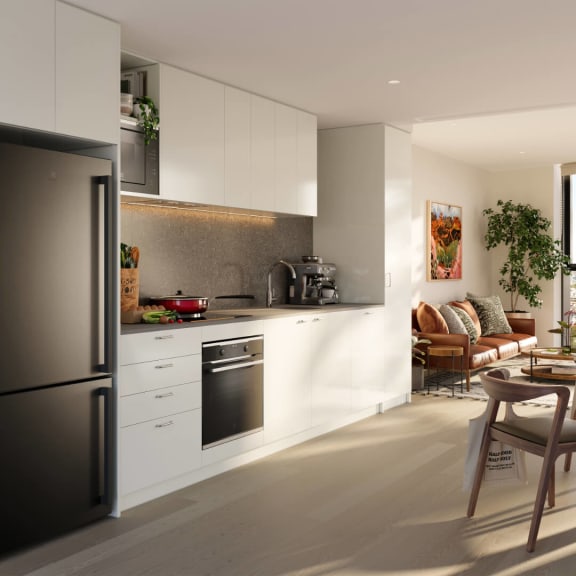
(478, 474)
(552, 487)
(567, 462)
(546, 476)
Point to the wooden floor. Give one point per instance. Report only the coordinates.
(381, 497)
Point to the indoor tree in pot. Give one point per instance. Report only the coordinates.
(532, 255)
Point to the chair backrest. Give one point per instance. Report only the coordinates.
(504, 390)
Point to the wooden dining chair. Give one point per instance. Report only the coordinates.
(546, 436)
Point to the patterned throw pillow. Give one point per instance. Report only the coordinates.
(468, 323)
(455, 324)
(491, 314)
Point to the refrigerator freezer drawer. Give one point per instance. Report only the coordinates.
(55, 445)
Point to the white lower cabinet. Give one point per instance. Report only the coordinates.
(159, 450)
(287, 399)
(330, 368)
(160, 414)
(366, 334)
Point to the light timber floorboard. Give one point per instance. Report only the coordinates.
(380, 497)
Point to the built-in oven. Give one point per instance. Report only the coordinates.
(139, 162)
(232, 389)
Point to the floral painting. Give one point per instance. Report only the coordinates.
(444, 241)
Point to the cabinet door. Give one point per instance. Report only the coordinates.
(27, 62)
(331, 366)
(87, 74)
(286, 377)
(262, 153)
(286, 138)
(192, 137)
(238, 192)
(158, 450)
(368, 340)
(307, 166)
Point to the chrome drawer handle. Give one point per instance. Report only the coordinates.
(167, 395)
(164, 424)
(301, 322)
(161, 366)
(167, 337)
(316, 319)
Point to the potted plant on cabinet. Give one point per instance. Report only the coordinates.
(532, 255)
(147, 113)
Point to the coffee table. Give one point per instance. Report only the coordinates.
(556, 358)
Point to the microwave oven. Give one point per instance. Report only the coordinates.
(139, 163)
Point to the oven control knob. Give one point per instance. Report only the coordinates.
(245, 347)
(221, 352)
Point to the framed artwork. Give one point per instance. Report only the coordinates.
(444, 241)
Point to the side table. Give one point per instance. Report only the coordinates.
(450, 354)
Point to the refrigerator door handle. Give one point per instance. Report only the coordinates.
(104, 259)
(103, 445)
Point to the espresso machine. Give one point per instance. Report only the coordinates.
(314, 284)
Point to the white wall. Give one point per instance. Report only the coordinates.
(539, 187)
(438, 178)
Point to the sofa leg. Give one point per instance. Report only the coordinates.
(467, 380)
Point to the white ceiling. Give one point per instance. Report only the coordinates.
(480, 80)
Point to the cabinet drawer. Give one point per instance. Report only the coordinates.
(160, 403)
(159, 450)
(159, 344)
(146, 376)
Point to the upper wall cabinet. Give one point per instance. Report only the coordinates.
(27, 62)
(226, 147)
(60, 69)
(191, 137)
(87, 75)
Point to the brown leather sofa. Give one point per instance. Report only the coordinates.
(487, 349)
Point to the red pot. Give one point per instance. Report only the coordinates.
(182, 304)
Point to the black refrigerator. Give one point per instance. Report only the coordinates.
(55, 343)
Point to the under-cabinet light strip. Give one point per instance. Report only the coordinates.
(194, 209)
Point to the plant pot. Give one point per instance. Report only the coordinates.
(417, 377)
(518, 314)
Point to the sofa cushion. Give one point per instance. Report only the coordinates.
(471, 327)
(454, 322)
(491, 314)
(466, 305)
(430, 319)
(506, 348)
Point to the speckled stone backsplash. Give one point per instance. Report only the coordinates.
(212, 254)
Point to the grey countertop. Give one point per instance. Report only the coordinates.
(245, 315)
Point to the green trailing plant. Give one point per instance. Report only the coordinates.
(149, 118)
(533, 254)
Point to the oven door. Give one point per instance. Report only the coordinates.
(232, 399)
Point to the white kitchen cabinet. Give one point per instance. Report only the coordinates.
(60, 69)
(192, 137)
(330, 364)
(262, 146)
(287, 396)
(307, 164)
(28, 63)
(295, 164)
(238, 174)
(370, 369)
(87, 75)
(160, 417)
(159, 450)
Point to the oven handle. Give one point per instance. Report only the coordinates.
(235, 366)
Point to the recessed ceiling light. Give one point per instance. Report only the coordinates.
(521, 152)
(393, 81)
